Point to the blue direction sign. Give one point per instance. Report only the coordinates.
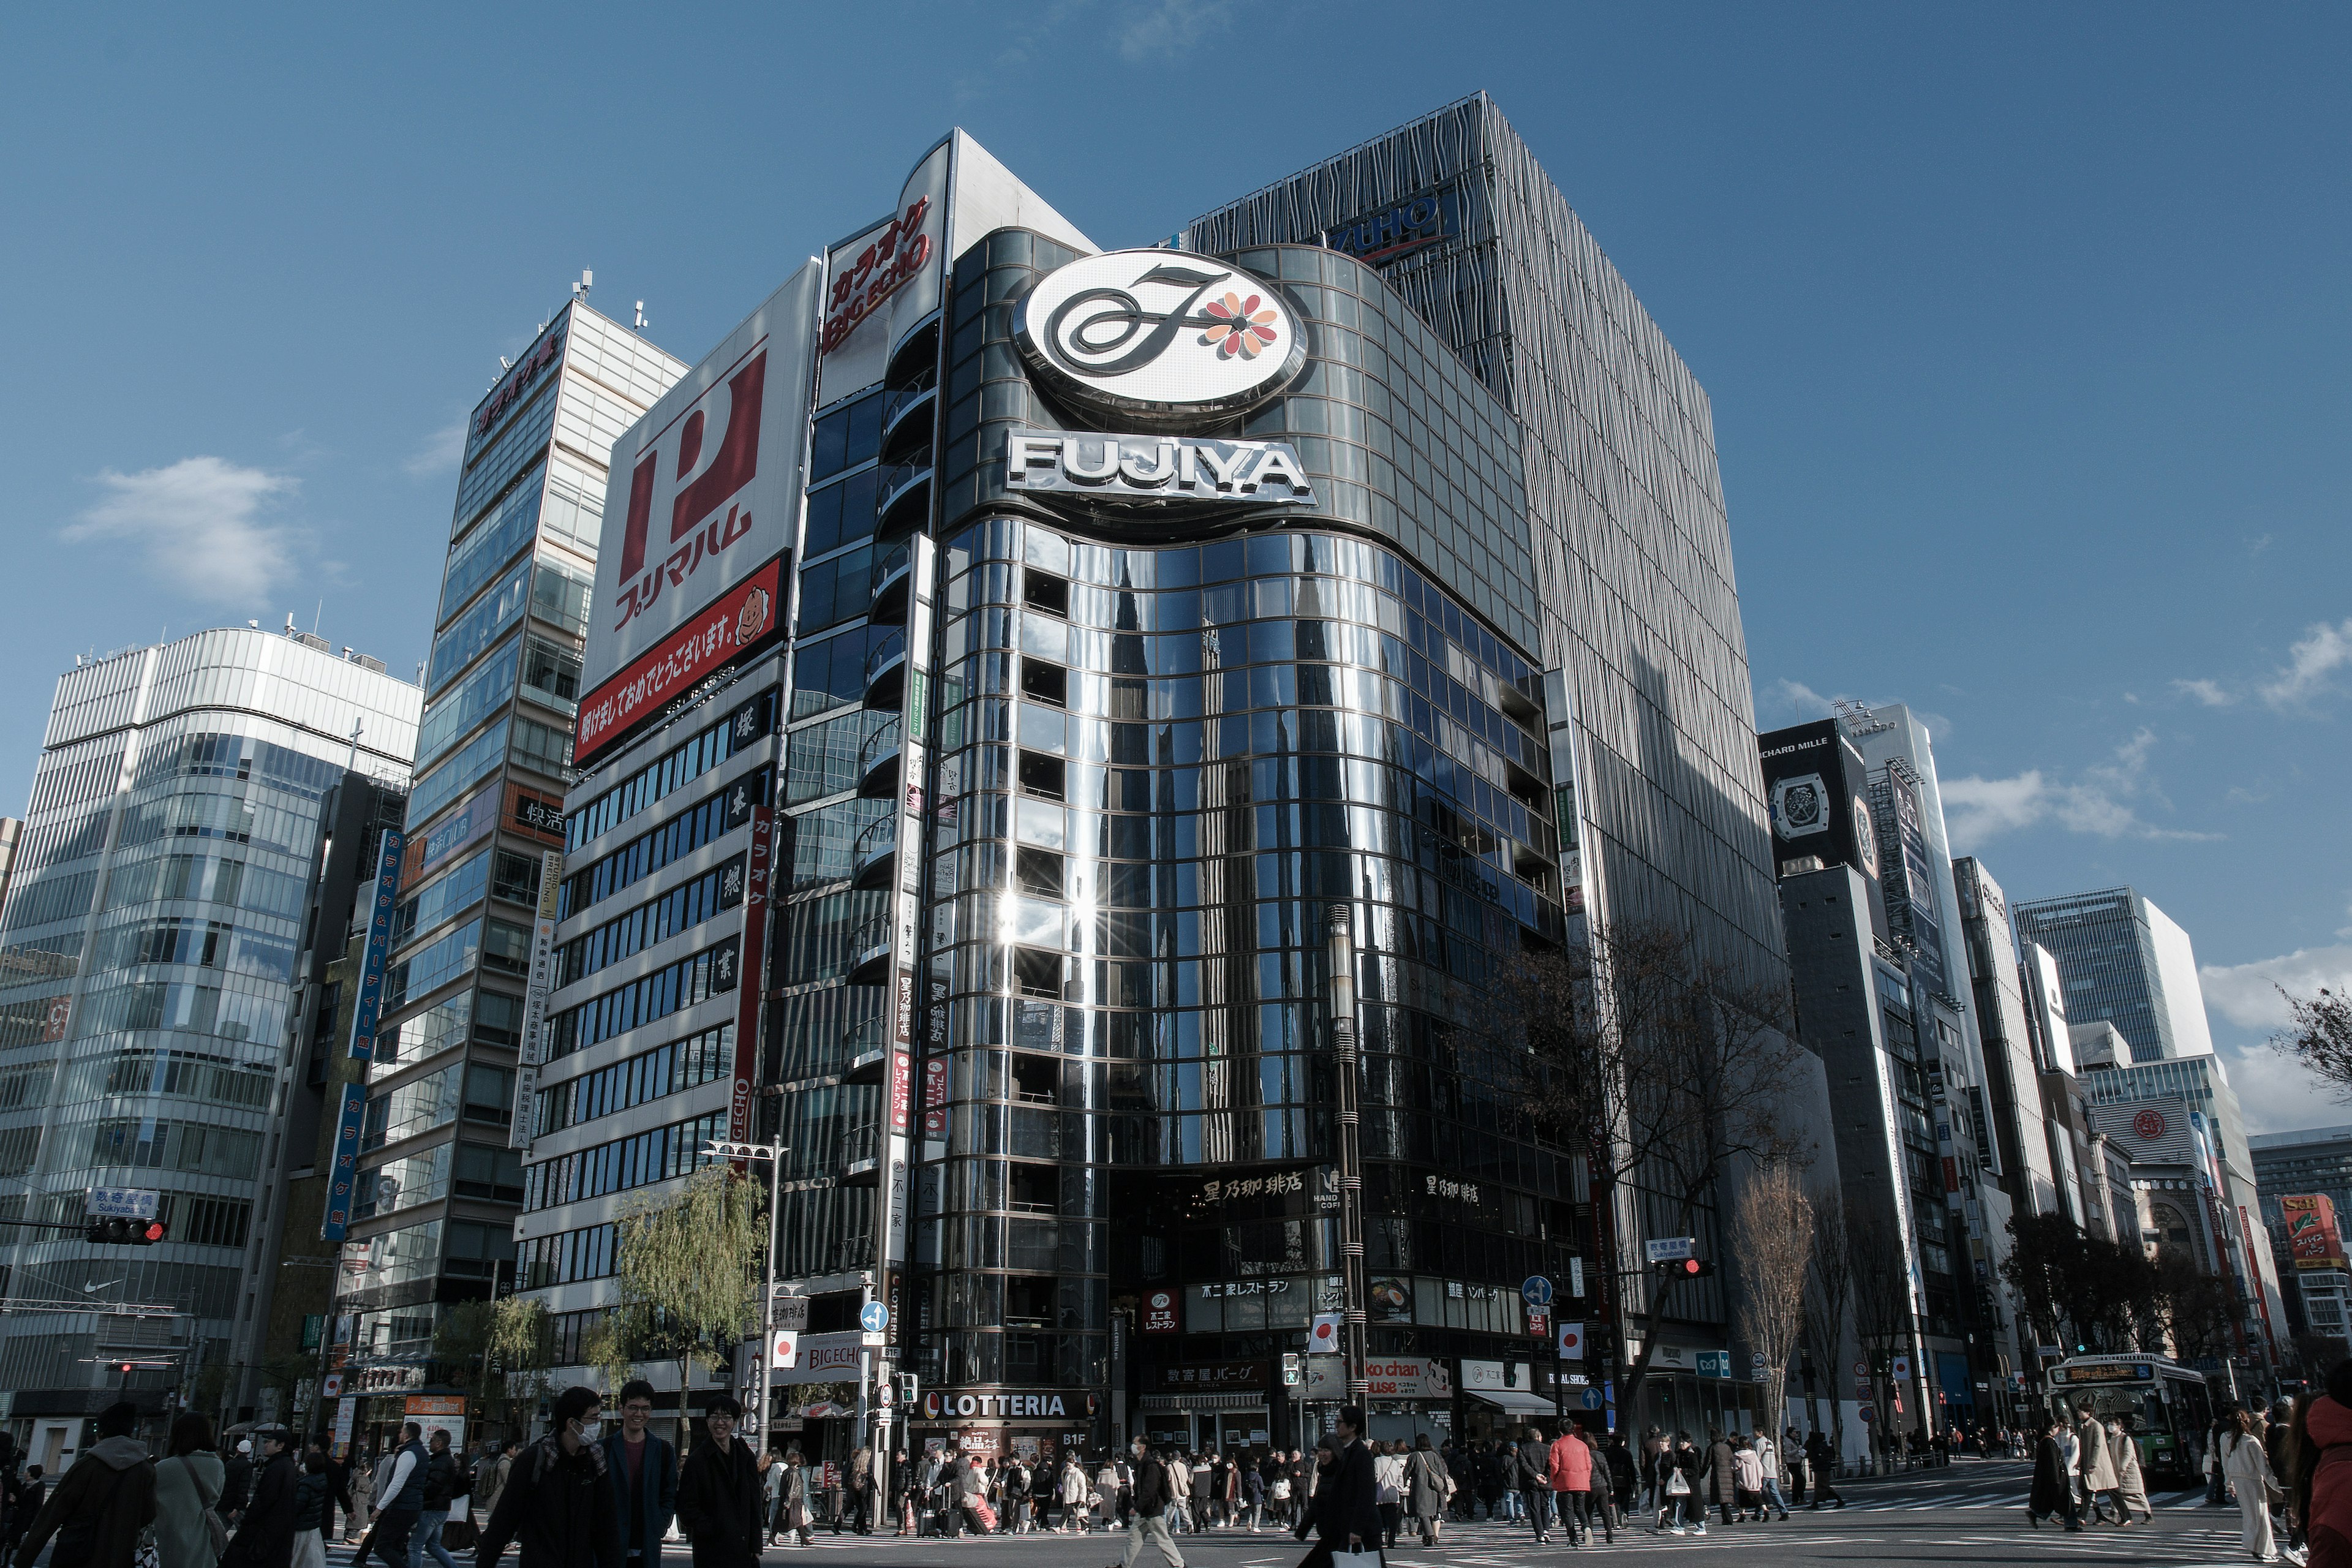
(1592, 1399)
(1536, 1291)
(874, 1317)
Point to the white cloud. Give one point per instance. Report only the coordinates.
(2278, 1094)
(2247, 993)
(2322, 650)
(1160, 30)
(438, 453)
(196, 525)
(1796, 697)
(2101, 801)
(2206, 691)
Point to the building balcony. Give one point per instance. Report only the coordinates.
(886, 673)
(878, 762)
(866, 1051)
(870, 950)
(907, 413)
(876, 854)
(903, 497)
(893, 582)
(861, 1155)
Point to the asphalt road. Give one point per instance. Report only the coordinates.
(1970, 1512)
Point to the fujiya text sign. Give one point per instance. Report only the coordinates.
(1156, 467)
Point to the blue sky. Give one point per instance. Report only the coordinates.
(2026, 332)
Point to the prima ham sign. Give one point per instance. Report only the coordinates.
(1160, 338)
(1155, 467)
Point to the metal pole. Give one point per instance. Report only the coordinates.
(1344, 1061)
(768, 1295)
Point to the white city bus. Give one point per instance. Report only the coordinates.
(2170, 1408)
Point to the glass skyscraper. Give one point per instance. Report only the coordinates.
(440, 1177)
(150, 937)
(1065, 794)
(2124, 962)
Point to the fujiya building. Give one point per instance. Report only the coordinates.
(1005, 655)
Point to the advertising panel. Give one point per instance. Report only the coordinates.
(760, 867)
(345, 1173)
(742, 623)
(706, 490)
(1813, 785)
(1911, 885)
(2311, 1238)
(1399, 230)
(369, 1007)
(883, 279)
(533, 1054)
(460, 829)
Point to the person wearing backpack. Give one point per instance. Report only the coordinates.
(105, 1501)
(189, 1530)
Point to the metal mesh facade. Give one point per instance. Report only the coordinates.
(1634, 595)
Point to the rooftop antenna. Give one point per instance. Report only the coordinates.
(289, 623)
(642, 323)
(315, 615)
(359, 728)
(587, 281)
(505, 364)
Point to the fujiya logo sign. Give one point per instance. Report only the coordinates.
(1156, 467)
(1160, 336)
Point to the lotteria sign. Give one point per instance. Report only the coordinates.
(1056, 1404)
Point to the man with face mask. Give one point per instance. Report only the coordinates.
(558, 1506)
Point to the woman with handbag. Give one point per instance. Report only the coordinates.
(1427, 1487)
(188, 1532)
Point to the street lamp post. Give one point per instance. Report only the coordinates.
(774, 1156)
(1344, 1060)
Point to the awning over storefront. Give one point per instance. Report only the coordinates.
(1202, 1401)
(1513, 1402)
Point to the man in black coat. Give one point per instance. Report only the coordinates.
(1346, 1508)
(718, 1499)
(265, 1535)
(558, 1506)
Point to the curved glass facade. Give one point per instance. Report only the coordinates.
(1158, 760)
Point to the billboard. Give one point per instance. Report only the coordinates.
(705, 493)
(2311, 1238)
(542, 980)
(1814, 786)
(344, 1172)
(385, 890)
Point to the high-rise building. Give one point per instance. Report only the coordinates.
(2124, 963)
(440, 1174)
(152, 933)
(1115, 667)
(2305, 1180)
(2225, 1166)
(2012, 1076)
(12, 830)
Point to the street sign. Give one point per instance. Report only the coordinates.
(788, 1347)
(1592, 1398)
(1712, 1363)
(792, 1311)
(874, 1317)
(1576, 1278)
(1539, 1325)
(1862, 1369)
(1756, 1363)
(121, 1203)
(1669, 1249)
(1867, 1414)
(1536, 1291)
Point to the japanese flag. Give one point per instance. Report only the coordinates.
(788, 1347)
(1323, 1338)
(1572, 1341)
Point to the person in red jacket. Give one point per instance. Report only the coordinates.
(1571, 1484)
(2324, 1473)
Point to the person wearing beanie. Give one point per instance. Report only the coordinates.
(104, 1504)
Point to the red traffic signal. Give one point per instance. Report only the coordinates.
(117, 1231)
(1686, 1268)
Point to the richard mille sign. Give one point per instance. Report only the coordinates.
(1163, 338)
(1156, 467)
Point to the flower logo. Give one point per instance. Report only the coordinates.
(1239, 327)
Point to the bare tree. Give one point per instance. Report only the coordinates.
(1829, 1299)
(1881, 1306)
(2320, 1038)
(1663, 1071)
(1772, 1234)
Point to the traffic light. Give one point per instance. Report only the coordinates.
(1686, 1268)
(117, 1231)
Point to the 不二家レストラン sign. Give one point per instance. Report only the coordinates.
(739, 621)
